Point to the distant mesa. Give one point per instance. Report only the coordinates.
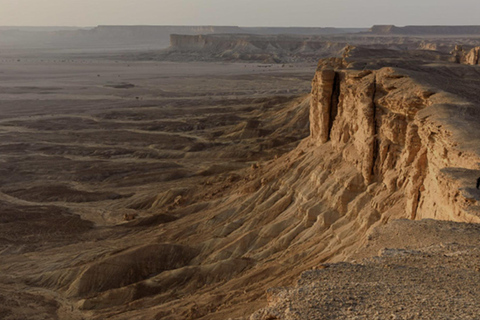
(425, 30)
(249, 47)
(284, 48)
(136, 36)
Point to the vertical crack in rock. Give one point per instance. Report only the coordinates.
(417, 178)
(417, 203)
(334, 103)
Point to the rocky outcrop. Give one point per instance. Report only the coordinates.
(374, 120)
(470, 57)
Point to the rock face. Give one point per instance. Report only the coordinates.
(378, 121)
(470, 57)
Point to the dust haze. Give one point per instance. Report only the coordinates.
(252, 13)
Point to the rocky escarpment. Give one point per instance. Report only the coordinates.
(301, 48)
(271, 48)
(382, 122)
(403, 136)
(382, 147)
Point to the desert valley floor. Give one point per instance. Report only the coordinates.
(87, 144)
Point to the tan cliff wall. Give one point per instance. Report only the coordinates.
(470, 57)
(473, 56)
(379, 122)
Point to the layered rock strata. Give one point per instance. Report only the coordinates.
(379, 121)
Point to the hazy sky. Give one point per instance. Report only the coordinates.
(313, 13)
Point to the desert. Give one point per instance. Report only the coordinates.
(239, 173)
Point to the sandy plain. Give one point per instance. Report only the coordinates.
(89, 143)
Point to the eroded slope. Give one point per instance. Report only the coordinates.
(379, 149)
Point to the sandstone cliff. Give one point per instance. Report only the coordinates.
(399, 144)
(471, 57)
(383, 123)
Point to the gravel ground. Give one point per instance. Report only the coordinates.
(437, 281)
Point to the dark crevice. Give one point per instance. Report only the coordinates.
(375, 142)
(417, 204)
(334, 101)
(375, 155)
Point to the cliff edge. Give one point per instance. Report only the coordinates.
(401, 144)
